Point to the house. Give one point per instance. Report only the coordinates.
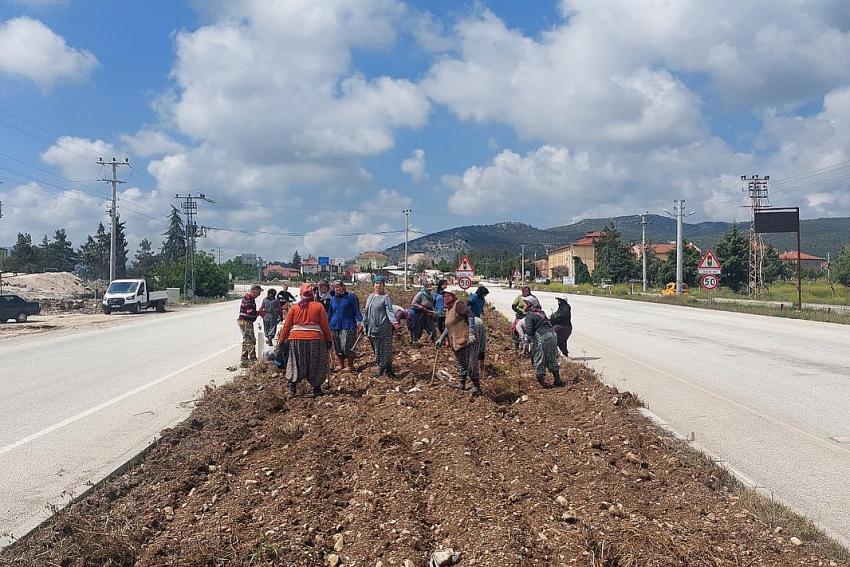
(661, 250)
(426, 260)
(371, 261)
(807, 261)
(541, 268)
(565, 256)
(310, 266)
(280, 272)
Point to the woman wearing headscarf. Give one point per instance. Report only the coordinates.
(423, 309)
(309, 335)
(460, 333)
(562, 322)
(324, 294)
(271, 312)
(439, 306)
(379, 320)
(345, 318)
(544, 342)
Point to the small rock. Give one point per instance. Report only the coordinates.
(569, 517)
(562, 501)
(408, 563)
(339, 542)
(444, 557)
(796, 541)
(777, 530)
(333, 560)
(250, 482)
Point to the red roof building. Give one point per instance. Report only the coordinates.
(807, 261)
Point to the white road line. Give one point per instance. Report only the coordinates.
(107, 403)
(821, 441)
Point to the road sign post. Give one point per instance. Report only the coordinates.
(465, 271)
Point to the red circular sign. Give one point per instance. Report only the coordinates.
(464, 283)
(709, 281)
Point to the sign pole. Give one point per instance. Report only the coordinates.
(799, 277)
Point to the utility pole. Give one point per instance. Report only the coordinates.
(1, 267)
(522, 265)
(113, 210)
(193, 231)
(643, 223)
(406, 213)
(756, 186)
(679, 215)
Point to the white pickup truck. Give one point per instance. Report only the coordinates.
(133, 296)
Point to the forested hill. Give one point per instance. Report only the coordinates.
(820, 236)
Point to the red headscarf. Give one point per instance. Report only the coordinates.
(449, 299)
(306, 293)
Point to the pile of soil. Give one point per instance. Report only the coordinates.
(48, 285)
(383, 472)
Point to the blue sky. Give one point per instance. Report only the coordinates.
(314, 124)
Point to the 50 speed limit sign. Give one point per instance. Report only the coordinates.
(710, 281)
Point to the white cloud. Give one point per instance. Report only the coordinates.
(415, 166)
(147, 143)
(31, 50)
(76, 157)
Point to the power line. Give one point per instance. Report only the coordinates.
(193, 231)
(113, 210)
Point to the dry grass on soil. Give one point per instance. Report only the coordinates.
(384, 472)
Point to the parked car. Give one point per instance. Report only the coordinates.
(17, 308)
(670, 289)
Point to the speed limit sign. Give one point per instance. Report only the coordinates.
(710, 281)
(464, 282)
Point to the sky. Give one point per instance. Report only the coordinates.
(313, 125)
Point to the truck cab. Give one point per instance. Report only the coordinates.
(134, 296)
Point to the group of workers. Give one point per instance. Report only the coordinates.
(326, 318)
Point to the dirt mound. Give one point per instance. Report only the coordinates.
(48, 285)
(385, 472)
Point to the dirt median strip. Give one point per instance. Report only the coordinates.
(391, 470)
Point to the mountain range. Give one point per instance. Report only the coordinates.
(819, 236)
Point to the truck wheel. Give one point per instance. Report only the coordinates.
(160, 307)
(136, 309)
(21, 318)
(107, 311)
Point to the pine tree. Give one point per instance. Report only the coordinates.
(121, 250)
(296, 260)
(61, 252)
(24, 255)
(733, 251)
(614, 259)
(174, 244)
(144, 260)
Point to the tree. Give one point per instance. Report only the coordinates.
(559, 272)
(121, 250)
(841, 267)
(238, 270)
(59, 254)
(666, 271)
(581, 271)
(733, 252)
(774, 267)
(296, 260)
(94, 255)
(144, 260)
(24, 256)
(210, 279)
(174, 244)
(614, 259)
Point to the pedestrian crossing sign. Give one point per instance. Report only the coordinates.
(465, 267)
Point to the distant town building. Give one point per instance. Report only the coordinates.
(661, 250)
(541, 268)
(280, 272)
(565, 256)
(807, 261)
(426, 260)
(309, 266)
(371, 261)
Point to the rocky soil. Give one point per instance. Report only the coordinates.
(383, 473)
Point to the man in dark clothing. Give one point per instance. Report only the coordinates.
(476, 300)
(284, 296)
(561, 321)
(247, 315)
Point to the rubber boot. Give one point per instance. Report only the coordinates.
(558, 382)
(291, 387)
(541, 380)
(317, 391)
(476, 388)
(391, 373)
(462, 384)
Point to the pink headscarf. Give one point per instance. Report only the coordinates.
(306, 293)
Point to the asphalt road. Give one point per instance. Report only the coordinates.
(73, 407)
(767, 396)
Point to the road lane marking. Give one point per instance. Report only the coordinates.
(106, 404)
(819, 440)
